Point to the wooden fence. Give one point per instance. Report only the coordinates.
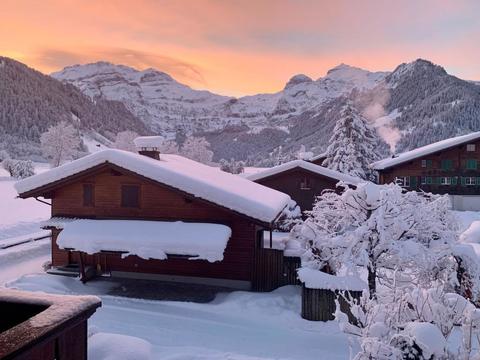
(290, 266)
(319, 304)
(267, 269)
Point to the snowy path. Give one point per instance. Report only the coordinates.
(23, 259)
(240, 323)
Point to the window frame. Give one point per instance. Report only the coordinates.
(443, 162)
(470, 161)
(405, 181)
(445, 180)
(469, 183)
(92, 198)
(306, 183)
(123, 204)
(471, 147)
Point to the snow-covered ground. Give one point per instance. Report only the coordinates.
(237, 325)
(19, 216)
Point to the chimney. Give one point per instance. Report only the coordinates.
(149, 146)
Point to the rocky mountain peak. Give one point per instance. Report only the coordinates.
(297, 79)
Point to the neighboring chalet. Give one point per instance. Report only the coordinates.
(318, 159)
(302, 180)
(158, 216)
(451, 166)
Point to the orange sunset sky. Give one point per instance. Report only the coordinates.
(242, 47)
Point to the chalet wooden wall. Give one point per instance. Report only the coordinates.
(288, 182)
(458, 155)
(157, 203)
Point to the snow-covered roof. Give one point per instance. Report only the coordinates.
(202, 181)
(147, 239)
(424, 150)
(148, 142)
(317, 169)
(316, 279)
(316, 157)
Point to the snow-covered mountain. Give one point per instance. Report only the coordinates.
(167, 106)
(415, 104)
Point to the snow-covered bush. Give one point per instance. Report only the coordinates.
(168, 147)
(353, 145)
(60, 143)
(19, 169)
(4, 155)
(197, 149)
(124, 141)
(232, 166)
(405, 243)
(382, 229)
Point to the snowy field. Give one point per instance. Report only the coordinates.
(235, 326)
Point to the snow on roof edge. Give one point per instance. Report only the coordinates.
(424, 150)
(306, 165)
(205, 182)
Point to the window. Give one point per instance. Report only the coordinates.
(446, 164)
(131, 196)
(423, 180)
(470, 147)
(471, 164)
(403, 181)
(88, 195)
(468, 181)
(446, 181)
(306, 183)
(427, 163)
(429, 180)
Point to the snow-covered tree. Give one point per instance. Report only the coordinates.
(60, 143)
(352, 145)
(4, 155)
(232, 166)
(380, 228)
(124, 141)
(169, 147)
(405, 243)
(303, 154)
(19, 169)
(197, 148)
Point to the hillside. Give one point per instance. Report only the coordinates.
(30, 102)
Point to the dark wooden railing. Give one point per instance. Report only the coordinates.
(44, 327)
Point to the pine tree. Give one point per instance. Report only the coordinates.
(353, 145)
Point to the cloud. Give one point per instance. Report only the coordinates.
(54, 59)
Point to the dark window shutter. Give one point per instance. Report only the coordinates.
(131, 196)
(413, 181)
(88, 195)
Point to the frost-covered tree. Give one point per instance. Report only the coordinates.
(198, 149)
(303, 154)
(124, 141)
(19, 169)
(4, 155)
(60, 143)
(380, 228)
(232, 166)
(353, 145)
(169, 147)
(405, 243)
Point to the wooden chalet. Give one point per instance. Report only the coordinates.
(158, 216)
(302, 180)
(318, 159)
(451, 166)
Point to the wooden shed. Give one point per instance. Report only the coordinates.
(136, 190)
(302, 180)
